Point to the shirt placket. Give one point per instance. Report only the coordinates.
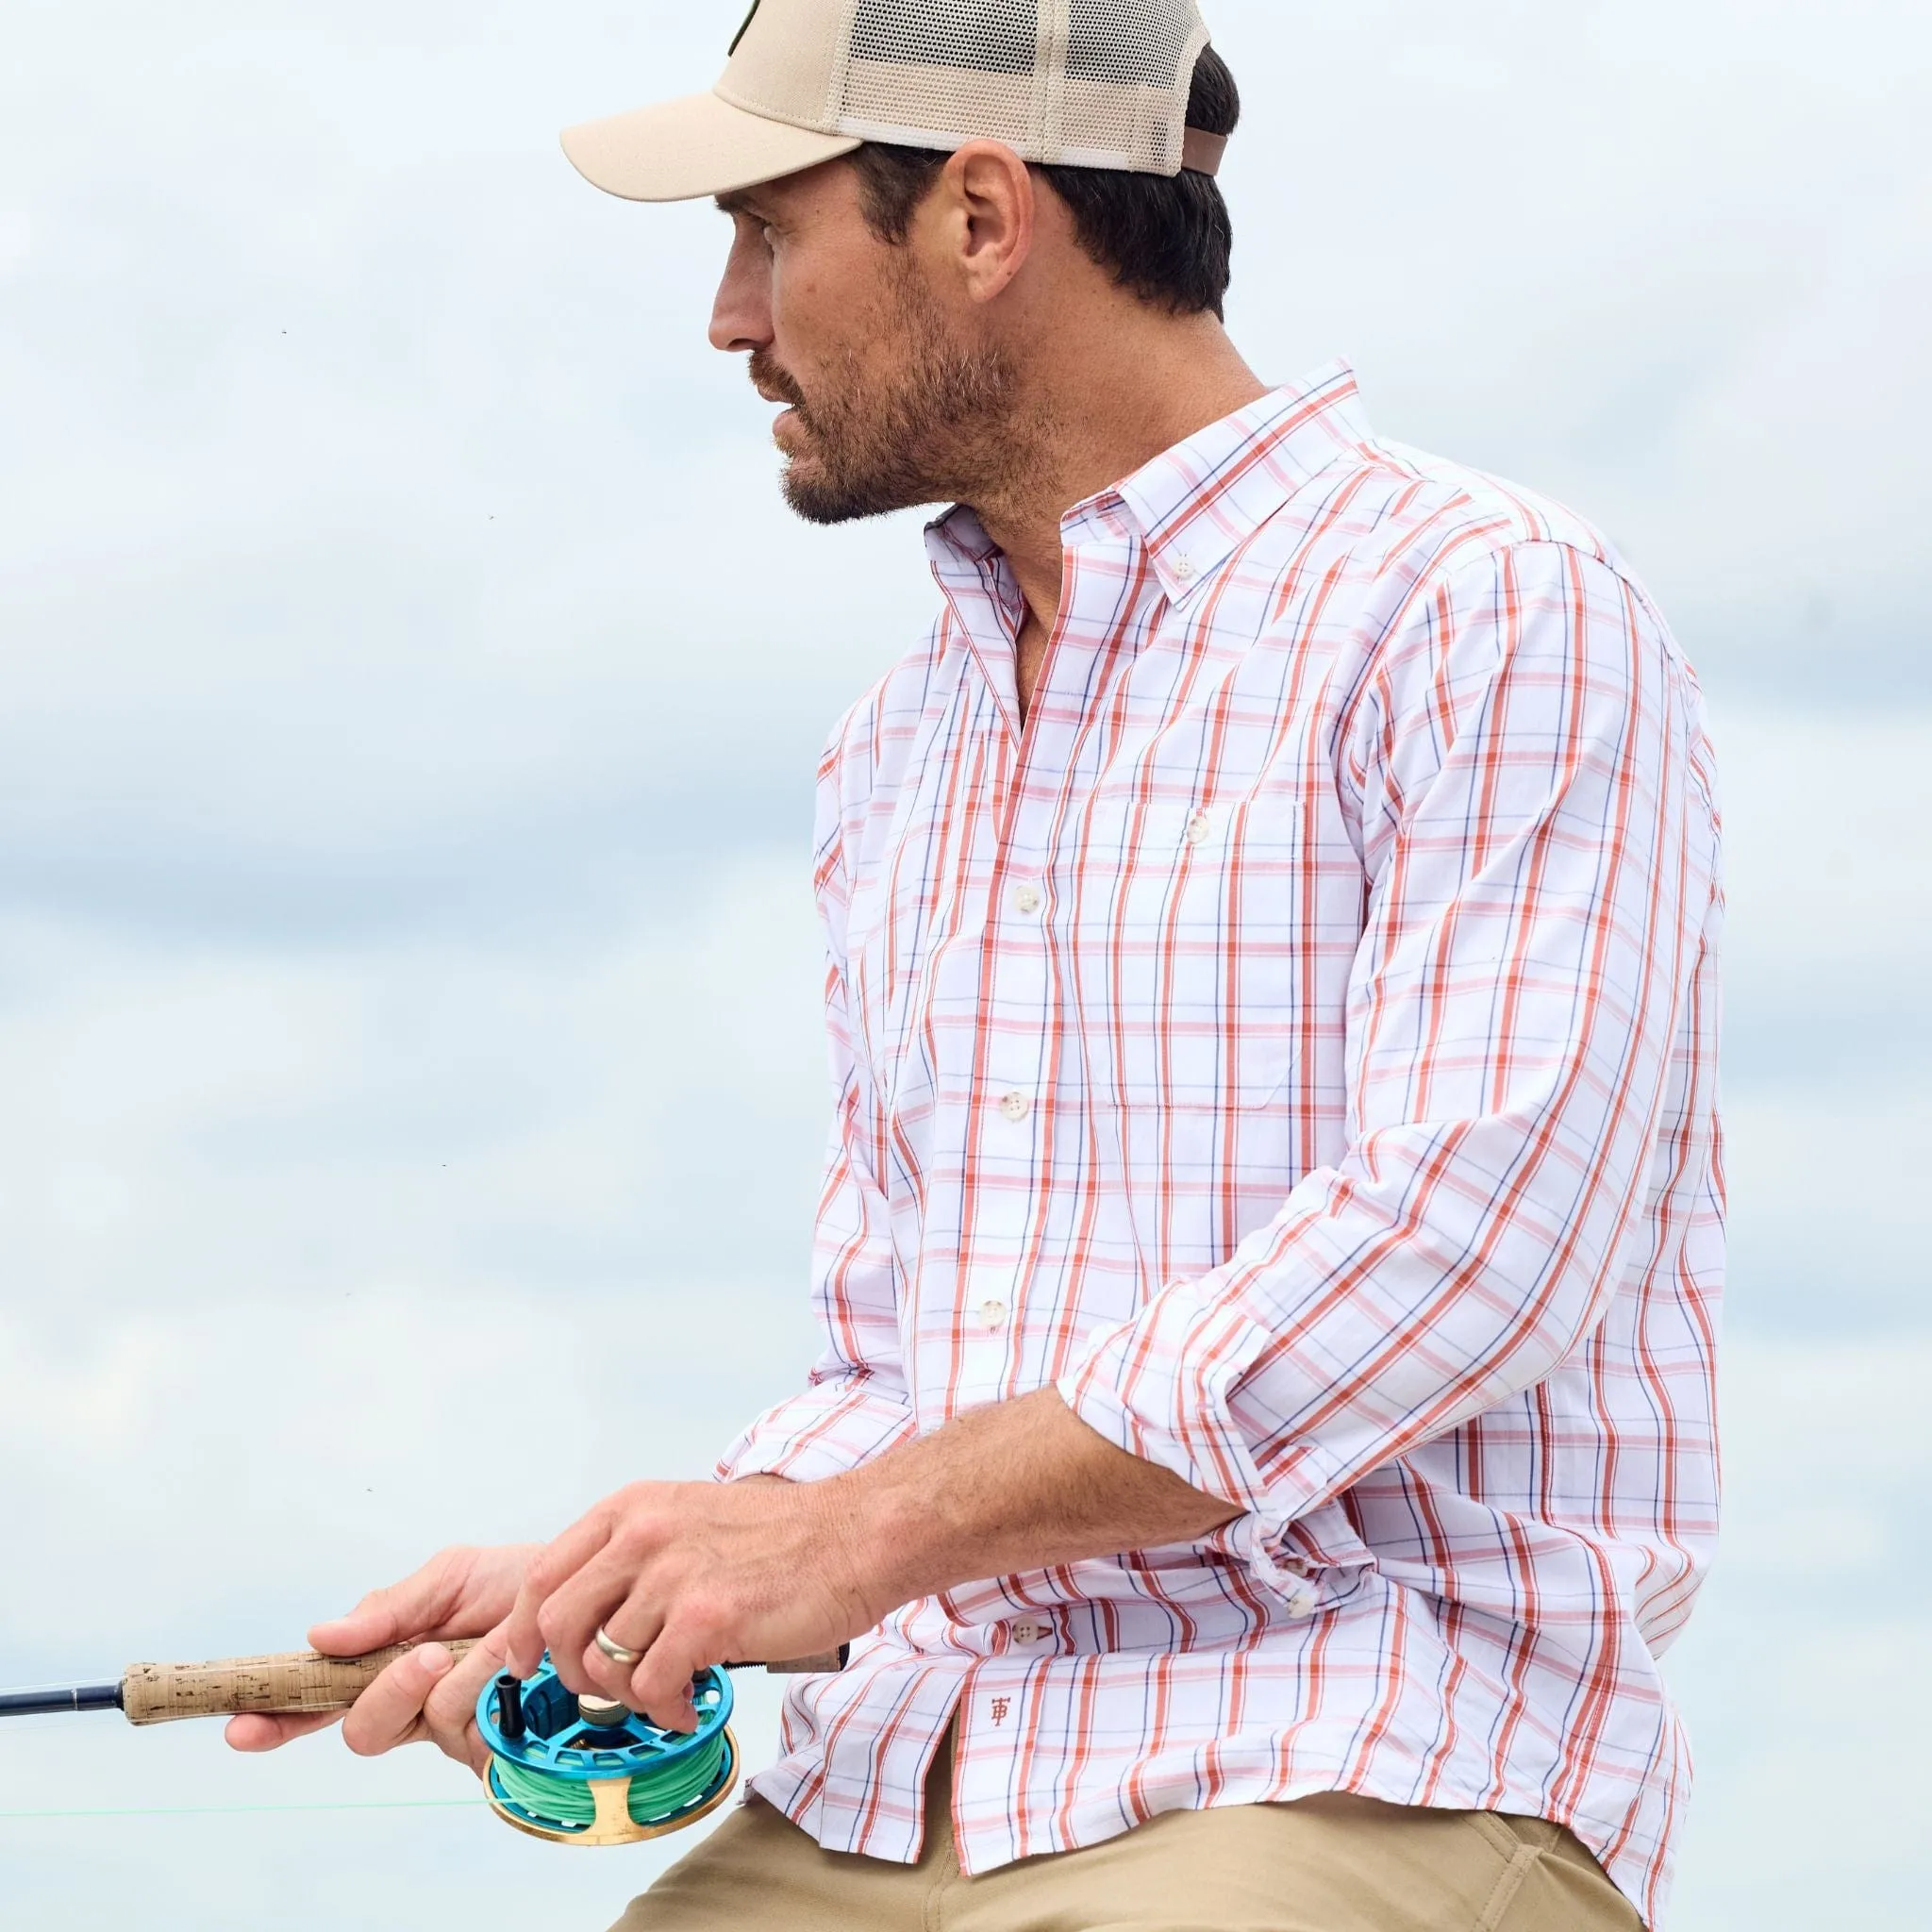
(1011, 1088)
(1013, 1119)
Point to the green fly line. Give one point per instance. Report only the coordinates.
(245, 1810)
(654, 1795)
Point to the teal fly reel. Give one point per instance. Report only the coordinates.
(586, 1772)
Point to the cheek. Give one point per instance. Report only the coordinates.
(799, 323)
(828, 312)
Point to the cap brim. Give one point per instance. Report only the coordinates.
(686, 150)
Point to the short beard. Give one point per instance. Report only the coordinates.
(933, 430)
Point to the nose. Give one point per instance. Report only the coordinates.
(742, 315)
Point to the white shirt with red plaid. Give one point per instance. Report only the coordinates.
(1298, 1046)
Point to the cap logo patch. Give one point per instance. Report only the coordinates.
(745, 28)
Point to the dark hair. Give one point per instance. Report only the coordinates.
(1169, 239)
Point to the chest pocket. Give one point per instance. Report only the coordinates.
(1187, 939)
(909, 931)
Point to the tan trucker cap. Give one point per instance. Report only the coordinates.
(1079, 83)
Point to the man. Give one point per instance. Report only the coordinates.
(1270, 1246)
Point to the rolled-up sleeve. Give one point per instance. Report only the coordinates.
(1538, 859)
(855, 1406)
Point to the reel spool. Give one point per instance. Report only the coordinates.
(609, 1777)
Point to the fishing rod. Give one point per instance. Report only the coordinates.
(575, 1770)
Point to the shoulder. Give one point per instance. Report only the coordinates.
(1424, 522)
(1432, 552)
(1454, 570)
(1458, 501)
(1388, 554)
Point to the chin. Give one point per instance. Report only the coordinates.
(820, 494)
(808, 497)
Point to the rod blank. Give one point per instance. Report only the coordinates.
(64, 1698)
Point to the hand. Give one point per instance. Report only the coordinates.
(461, 1592)
(693, 1574)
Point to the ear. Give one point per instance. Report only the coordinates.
(986, 209)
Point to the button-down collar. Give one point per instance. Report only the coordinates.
(1192, 506)
(1196, 505)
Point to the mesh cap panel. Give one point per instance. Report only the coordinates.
(984, 35)
(1084, 83)
(1098, 49)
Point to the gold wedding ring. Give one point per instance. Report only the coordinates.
(616, 1652)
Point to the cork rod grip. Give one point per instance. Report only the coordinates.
(299, 1682)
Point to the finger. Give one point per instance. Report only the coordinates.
(413, 1607)
(632, 1625)
(660, 1686)
(389, 1712)
(551, 1567)
(259, 1731)
(450, 1710)
(571, 1614)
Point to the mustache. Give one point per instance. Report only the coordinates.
(768, 376)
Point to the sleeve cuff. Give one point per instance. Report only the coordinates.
(825, 1432)
(1161, 1387)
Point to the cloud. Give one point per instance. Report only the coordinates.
(1668, 263)
(1829, 877)
(581, 1108)
(1800, 1671)
(1827, 1233)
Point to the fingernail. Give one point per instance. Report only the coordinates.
(436, 1659)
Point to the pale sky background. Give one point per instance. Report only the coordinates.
(409, 685)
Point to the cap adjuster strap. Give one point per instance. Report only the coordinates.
(1201, 152)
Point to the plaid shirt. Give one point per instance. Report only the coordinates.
(1297, 1046)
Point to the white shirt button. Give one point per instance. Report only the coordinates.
(992, 1312)
(1016, 1107)
(1027, 899)
(1028, 1632)
(1199, 826)
(1183, 567)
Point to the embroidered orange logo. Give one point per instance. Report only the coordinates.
(1000, 1707)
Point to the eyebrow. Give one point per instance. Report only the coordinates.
(738, 202)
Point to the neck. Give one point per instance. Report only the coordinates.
(1108, 399)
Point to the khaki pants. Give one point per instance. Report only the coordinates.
(1328, 1864)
